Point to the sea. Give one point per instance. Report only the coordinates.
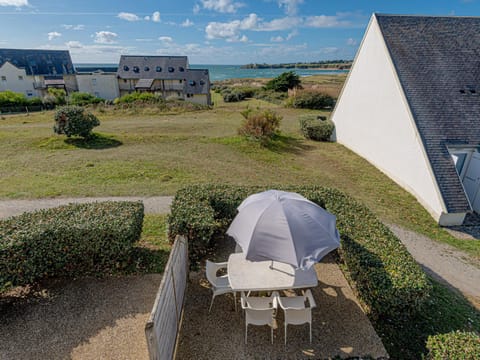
(224, 72)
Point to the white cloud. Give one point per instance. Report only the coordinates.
(156, 16)
(292, 35)
(17, 3)
(144, 40)
(187, 23)
(165, 39)
(243, 39)
(128, 16)
(223, 6)
(280, 24)
(230, 31)
(276, 39)
(74, 44)
(196, 9)
(73, 27)
(105, 37)
(290, 6)
(52, 35)
(325, 21)
(351, 42)
(146, 18)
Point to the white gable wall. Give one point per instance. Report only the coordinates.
(102, 85)
(373, 119)
(16, 80)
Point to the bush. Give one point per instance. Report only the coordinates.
(139, 97)
(271, 96)
(311, 100)
(10, 98)
(59, 95)
(314, 128)
(73, 120)
(387, 278)
(283, 82)
(71, 240)
(260, 125)
(455, 345)
(82, 99)
(233, 96)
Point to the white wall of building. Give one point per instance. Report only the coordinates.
(16, 80)
(101, 85)
(372, 118)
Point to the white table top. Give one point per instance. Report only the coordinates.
(245, 275)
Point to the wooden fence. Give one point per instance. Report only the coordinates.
(164, 323)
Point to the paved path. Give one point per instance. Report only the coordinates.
(153, 204)
(443, 262)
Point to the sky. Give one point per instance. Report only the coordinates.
(207, 31)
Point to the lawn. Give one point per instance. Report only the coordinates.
(143, 152)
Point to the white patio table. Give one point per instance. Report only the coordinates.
(246, 275)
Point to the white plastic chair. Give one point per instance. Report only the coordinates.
(259, 311)
(296, 313)
(220, 284)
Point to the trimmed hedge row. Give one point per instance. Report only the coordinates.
(387, 278)
(71, 240)
(455, 345)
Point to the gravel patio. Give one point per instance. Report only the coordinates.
(340, 327)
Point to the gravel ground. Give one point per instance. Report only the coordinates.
(86, 318)
(153, 205)
(445, 263)
(340, 327)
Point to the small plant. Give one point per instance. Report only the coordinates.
(260, 125)
(74, 120)
(139, 97)
(314, 128)
(59, 95)
(454, 345)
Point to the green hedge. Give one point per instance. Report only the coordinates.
(455, 345)
(69, 240)
(387, 278)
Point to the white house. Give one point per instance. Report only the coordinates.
(101, 83)
(411, 107)
(32, 72)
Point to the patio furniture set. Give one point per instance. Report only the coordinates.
(279, 236)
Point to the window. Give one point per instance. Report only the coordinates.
(97, 94)
(126, 68)
(158, 69)
(29, 93)
(181, 69)
(192, 83)
(146, 68)
(459, 160)
(124, 80)
(136, 69)
(171, 69)
(180, 81)
(4, 78)
(202, 82)
(94, 81)
(20, 77)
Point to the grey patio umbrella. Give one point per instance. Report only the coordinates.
(285, 227)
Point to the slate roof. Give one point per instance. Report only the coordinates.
(197, 81)
(39, 62)
(437, 60)
(144, 84)
(152, 67)
(86, 69)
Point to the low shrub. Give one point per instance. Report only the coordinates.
(316, 129)
(139, 97)
(233, 95)
(71, 240)
(10, 98)
(82, 99)
(260, 125)
(74, 120)
(274, 97)
(311, 100)
(387, 278)
(284, 81)
(455, 345)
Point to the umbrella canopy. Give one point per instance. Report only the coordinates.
(284, 226)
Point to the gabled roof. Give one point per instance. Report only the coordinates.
(197, 81)
(152, 67)
(39, 62)
(437, 60)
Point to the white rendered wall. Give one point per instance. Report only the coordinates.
(104, 86)
(372, 118)
(13, 83)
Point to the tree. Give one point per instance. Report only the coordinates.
(283, 82)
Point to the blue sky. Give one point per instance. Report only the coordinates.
(207, 31)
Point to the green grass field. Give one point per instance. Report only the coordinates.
(141, 152)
